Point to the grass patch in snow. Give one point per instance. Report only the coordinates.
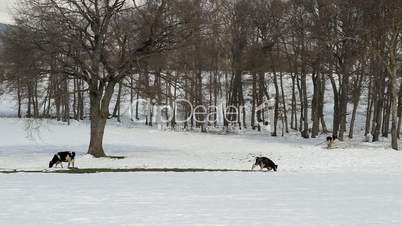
(109, 170)
(115, 157)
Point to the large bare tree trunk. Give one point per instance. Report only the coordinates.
(98, 124)
(99, 107)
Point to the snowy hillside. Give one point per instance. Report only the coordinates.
(354, 184)
(29, 144)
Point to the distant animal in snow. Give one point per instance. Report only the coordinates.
(264, 162)
(61, 157)
(331, 141)
(263, 125)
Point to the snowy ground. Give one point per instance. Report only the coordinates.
(152, 148)
(355, 184)
(200, 199)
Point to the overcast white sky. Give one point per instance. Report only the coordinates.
(5, 10)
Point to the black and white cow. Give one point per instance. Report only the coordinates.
(331, 141)
(61, 157)
(264, 162)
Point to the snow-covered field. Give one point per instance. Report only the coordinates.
(356, 184)
(232, 199)
(22, 148)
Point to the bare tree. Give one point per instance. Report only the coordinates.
(99, 42)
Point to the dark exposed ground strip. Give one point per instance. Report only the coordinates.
(108, 170)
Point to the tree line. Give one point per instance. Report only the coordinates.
(62, 57)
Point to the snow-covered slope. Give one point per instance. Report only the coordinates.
(29, 144)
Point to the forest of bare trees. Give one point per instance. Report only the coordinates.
(79, 59)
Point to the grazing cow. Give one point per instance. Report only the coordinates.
(331, 141)
(264, 162)
(61, 157)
